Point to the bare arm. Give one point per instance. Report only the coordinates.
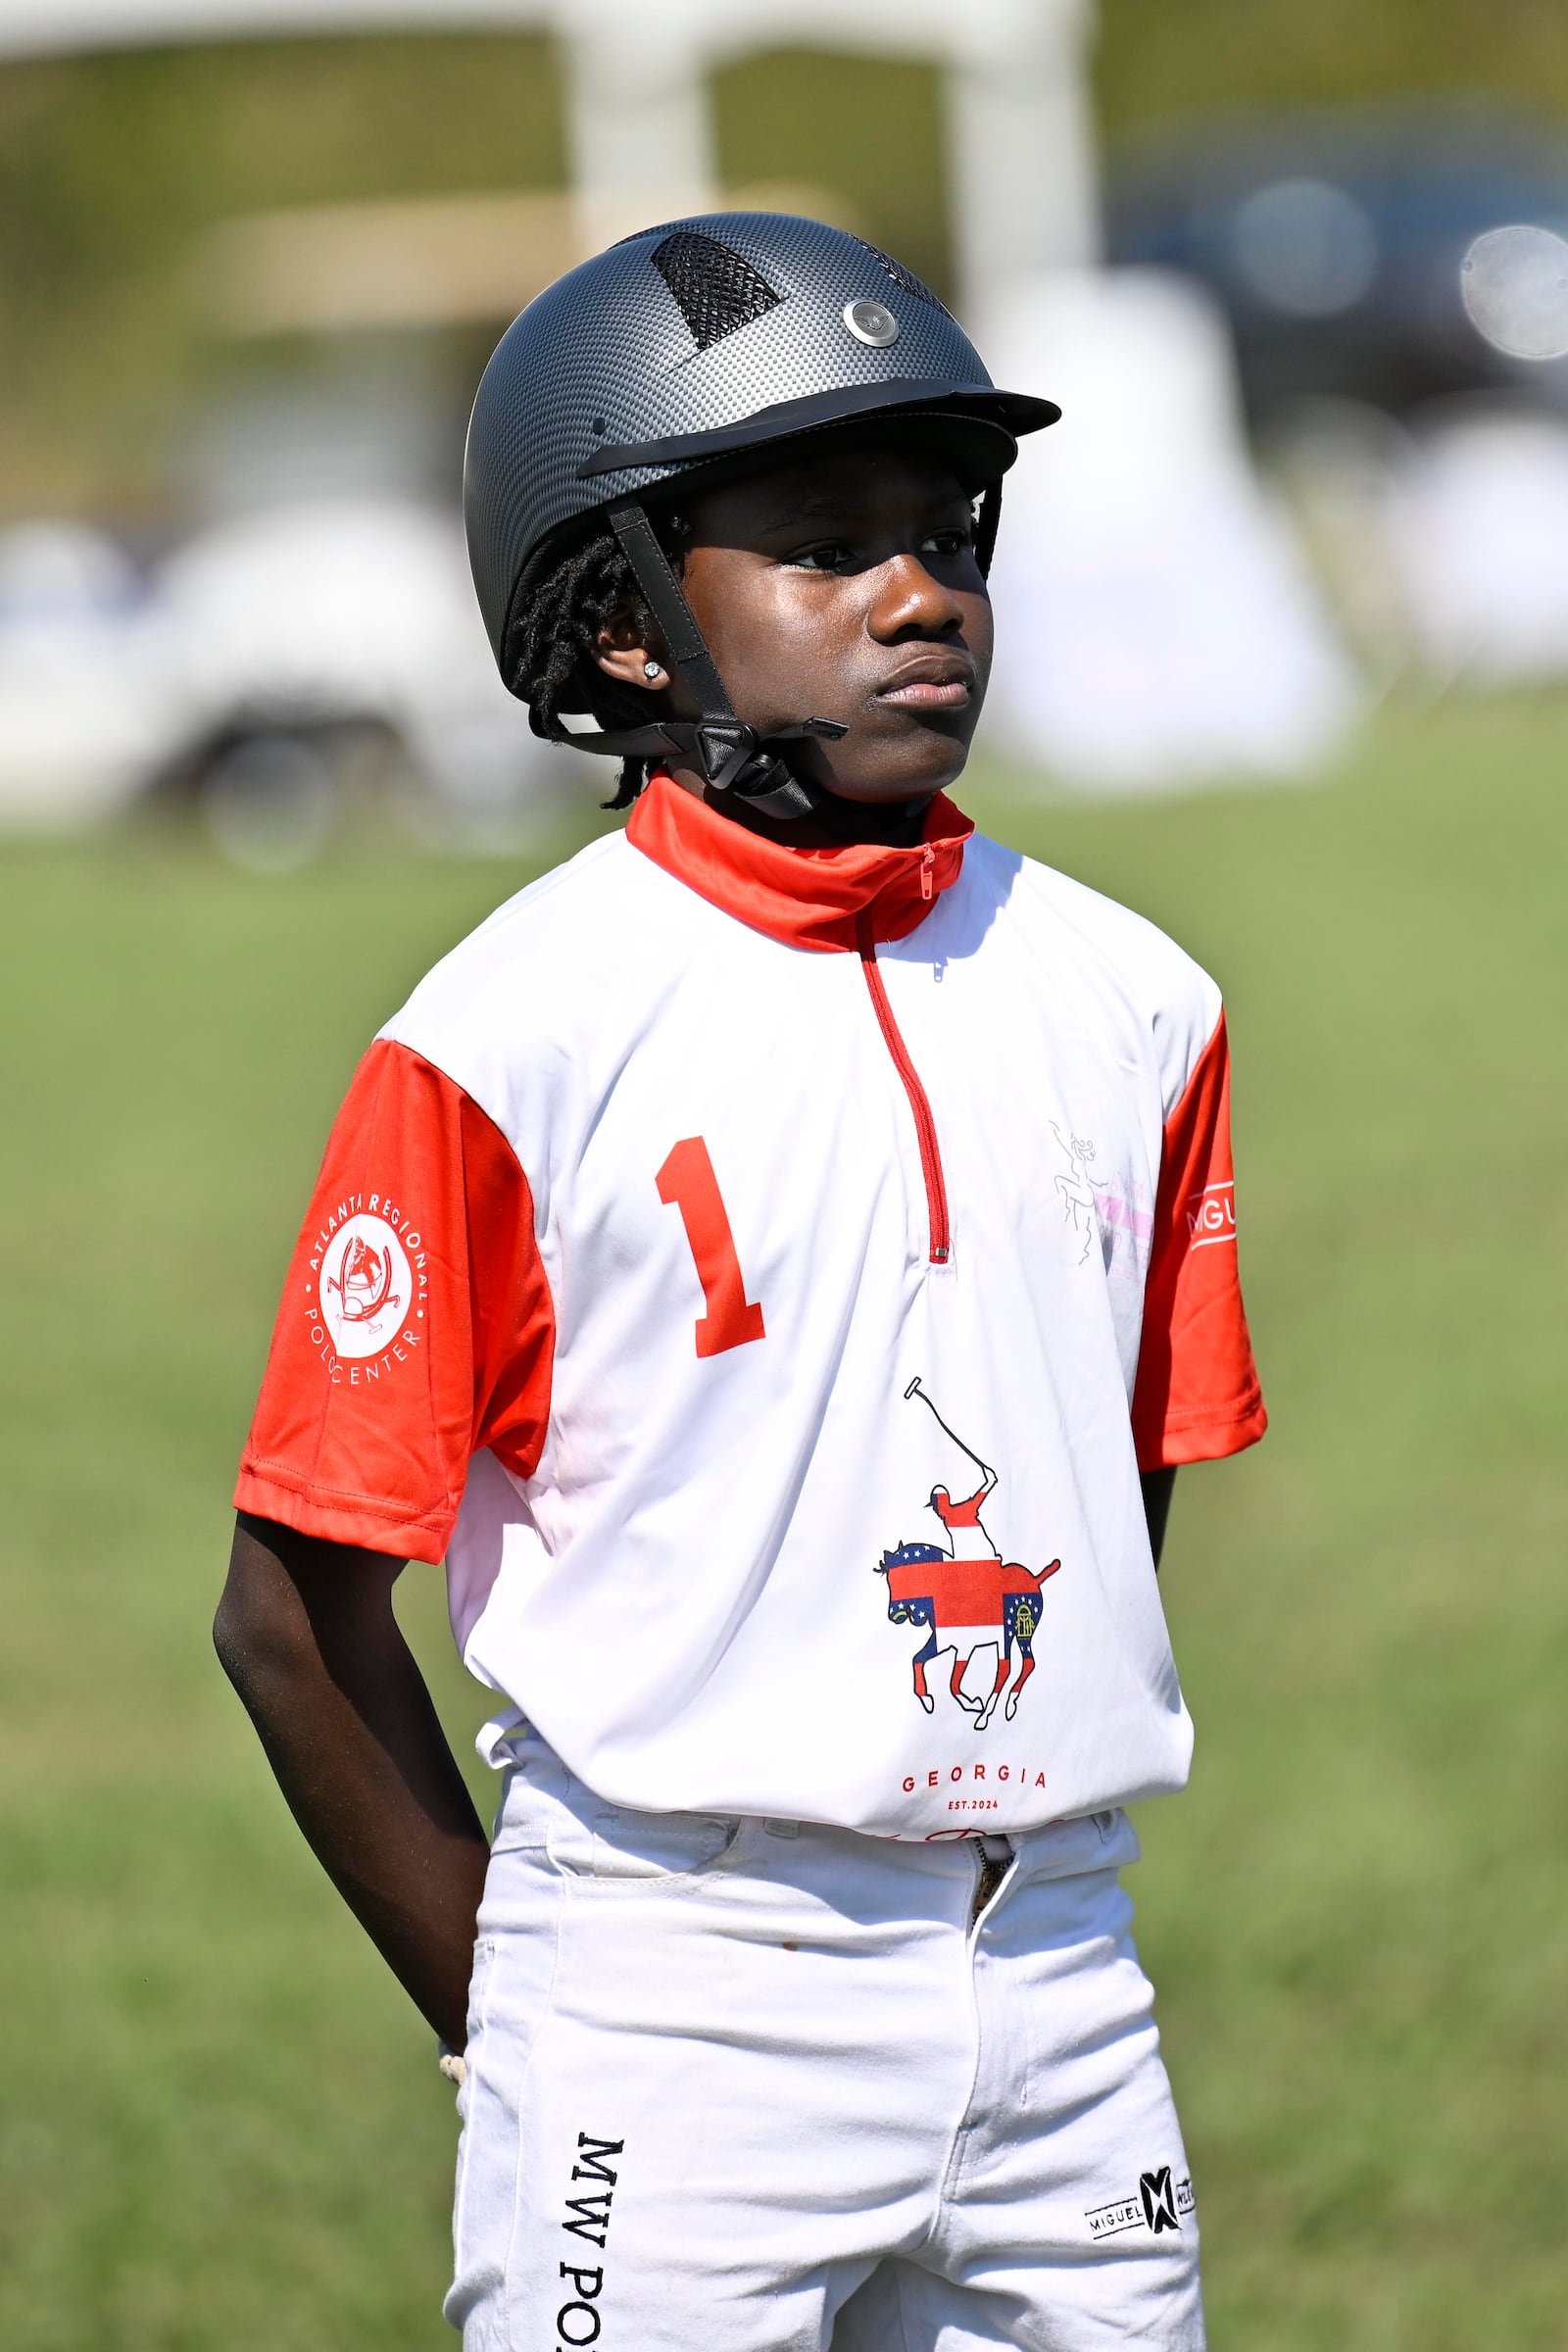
(1158, 1486)
(307, 1636)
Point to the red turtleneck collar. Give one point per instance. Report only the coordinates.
(805, 897)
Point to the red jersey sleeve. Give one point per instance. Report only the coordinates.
(417, 1325)
(1197, 1395)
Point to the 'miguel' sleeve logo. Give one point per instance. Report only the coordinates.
(1211, 1215)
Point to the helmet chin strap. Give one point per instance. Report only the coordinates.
(732, 755)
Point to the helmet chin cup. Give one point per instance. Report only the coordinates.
(772, 788)
(734, 757)
(730, 756)
(770, 785)
(725, 749)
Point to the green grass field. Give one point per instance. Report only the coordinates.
(222, 2127)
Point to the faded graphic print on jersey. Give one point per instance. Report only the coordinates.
(969, 1599)
(1116, 1212)
(1079, 1189)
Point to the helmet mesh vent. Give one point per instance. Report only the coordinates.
(716, 287)
(905, 279)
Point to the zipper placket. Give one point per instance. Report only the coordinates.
(988, 1877)
(925, 1126)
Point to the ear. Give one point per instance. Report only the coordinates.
(626, 651)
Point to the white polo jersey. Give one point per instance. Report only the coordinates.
(762, 1274)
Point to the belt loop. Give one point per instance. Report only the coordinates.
(782, 1829)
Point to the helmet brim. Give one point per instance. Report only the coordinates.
(995, 420)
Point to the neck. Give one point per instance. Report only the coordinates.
(835, 824)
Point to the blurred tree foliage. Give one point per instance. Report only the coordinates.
(1159, 60)
(112, 168)
(867, 127)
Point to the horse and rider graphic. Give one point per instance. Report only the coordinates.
(364, 1281)
(965, 1595)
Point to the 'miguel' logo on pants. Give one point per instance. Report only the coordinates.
(1162, 2203)
(970, 1600)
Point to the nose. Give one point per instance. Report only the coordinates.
(910, 602)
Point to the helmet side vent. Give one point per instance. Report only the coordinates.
(716, 287)
(905, 279)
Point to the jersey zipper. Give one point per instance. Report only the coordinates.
(925, 1126)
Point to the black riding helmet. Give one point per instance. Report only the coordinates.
(669, 359)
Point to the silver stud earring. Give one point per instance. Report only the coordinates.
(653, 670)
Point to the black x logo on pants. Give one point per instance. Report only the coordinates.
(1159, 2200)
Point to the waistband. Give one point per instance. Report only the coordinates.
(539, 1782)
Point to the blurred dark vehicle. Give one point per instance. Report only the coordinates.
(1336, 245)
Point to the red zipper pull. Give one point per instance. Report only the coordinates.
(928, 860)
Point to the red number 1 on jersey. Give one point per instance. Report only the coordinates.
(687, 1182)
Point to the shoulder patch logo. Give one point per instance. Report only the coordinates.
(365, 1287)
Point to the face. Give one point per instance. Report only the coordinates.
(842, 586)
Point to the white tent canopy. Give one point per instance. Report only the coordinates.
(639, 128)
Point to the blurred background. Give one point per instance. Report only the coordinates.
(1283, 632)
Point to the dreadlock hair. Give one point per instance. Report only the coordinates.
(552, 642)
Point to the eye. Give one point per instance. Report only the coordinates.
(823, 554)
(950, 543)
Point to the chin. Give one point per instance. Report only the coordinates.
(905, 779)
(907, 761)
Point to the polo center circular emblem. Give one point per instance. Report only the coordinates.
(871, 322)
(365, 1287)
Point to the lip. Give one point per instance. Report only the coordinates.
(933, 681)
